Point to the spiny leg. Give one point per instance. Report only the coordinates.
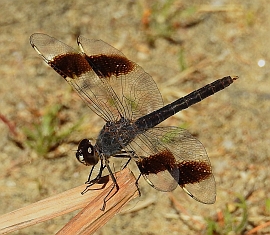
(137, 184)
(126, 154)
(107, 198)
(95, 180)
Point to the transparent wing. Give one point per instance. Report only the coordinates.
(110, 84)
(134, 93)
(76, 70)
(184, 158)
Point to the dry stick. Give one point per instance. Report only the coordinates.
(90, 219)
(72, 200)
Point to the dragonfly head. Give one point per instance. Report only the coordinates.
(86, 153)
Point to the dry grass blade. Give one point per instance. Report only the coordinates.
(72, 200)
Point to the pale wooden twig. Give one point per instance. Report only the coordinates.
(90, 218)
(72, 200)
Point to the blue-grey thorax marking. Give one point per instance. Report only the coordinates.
(114, 136)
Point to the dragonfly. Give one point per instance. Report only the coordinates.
(127, 98)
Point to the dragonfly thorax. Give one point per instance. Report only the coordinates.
(114, 136)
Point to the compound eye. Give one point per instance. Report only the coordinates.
(86, 153)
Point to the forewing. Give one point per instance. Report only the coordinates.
(182, 154)
(134, 92)
(76, 70)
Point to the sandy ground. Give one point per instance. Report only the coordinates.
(183, 45)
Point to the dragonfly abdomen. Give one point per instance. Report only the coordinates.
(158, 116)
